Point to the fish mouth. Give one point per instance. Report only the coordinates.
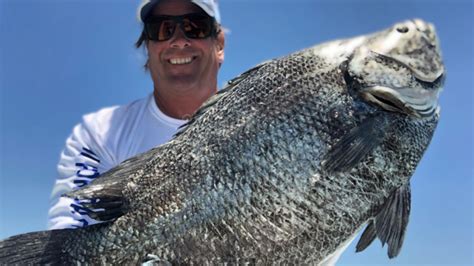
(417, 102)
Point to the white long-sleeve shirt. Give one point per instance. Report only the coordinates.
(101, 141)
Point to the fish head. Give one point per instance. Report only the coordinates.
(399, 69)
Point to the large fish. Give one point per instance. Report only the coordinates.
(285, 164)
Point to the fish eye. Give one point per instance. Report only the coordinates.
(402, 29)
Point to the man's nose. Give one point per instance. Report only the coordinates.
(179, 39)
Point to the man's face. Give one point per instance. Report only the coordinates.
(183, 60)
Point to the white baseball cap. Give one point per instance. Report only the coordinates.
(209, 6)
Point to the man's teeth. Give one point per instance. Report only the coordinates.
(180, 61)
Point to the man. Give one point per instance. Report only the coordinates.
(185, 45)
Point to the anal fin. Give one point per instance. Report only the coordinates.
(391, 222)
(367, 237)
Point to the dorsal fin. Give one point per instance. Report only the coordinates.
(103, 198)
(390, 223)
(219, 95)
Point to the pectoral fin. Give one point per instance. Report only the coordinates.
(356, 145)
(390, 223)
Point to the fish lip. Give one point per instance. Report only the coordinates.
(416, 102)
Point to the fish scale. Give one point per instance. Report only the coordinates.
(284, 165)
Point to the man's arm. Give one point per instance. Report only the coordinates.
(79, 164)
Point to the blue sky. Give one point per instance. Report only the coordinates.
(62, 59)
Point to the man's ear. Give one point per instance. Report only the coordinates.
(220, 47)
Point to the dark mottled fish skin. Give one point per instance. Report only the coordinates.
(284, 165)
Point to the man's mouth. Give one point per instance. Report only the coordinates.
(181, 61)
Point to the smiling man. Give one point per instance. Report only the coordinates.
(185, 45)
(183, 61)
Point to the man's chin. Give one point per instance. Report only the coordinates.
(181, 71)
(183, 78)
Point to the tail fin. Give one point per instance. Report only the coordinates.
(44, 247)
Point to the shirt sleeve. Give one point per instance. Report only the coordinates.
(83, 159)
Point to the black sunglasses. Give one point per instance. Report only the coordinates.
(194, 26)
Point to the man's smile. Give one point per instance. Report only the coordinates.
(181, 60)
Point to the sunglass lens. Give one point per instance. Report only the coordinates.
(197, 27)
(166, 30)
(160, 29)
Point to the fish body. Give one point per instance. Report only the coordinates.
(284, 165)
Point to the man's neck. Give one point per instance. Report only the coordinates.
(181, 103)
